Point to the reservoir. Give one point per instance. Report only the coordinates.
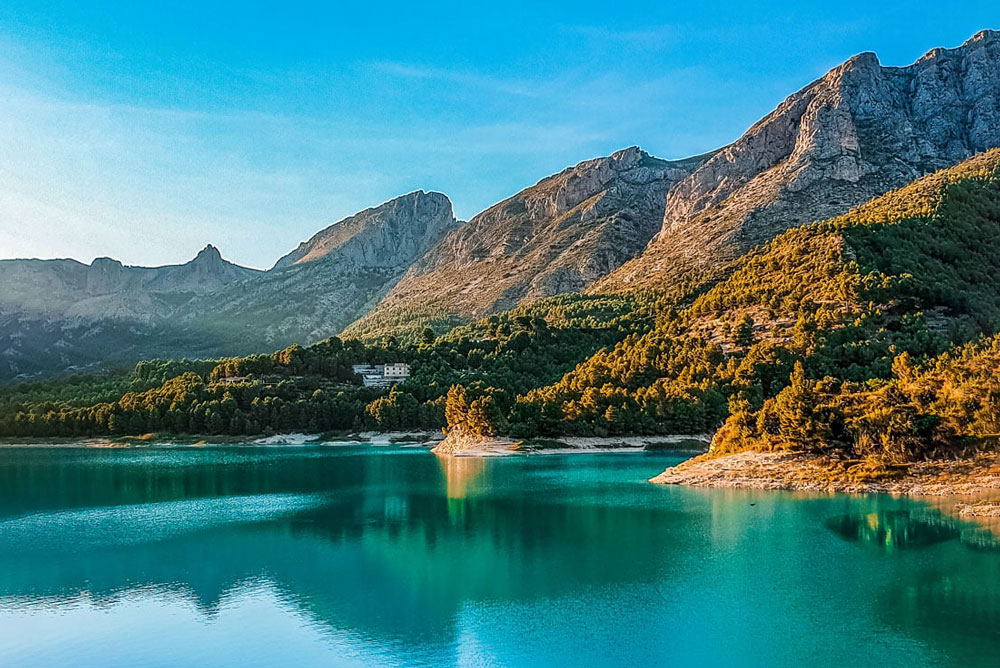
(356, 555)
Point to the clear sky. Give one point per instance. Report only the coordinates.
(145, 130)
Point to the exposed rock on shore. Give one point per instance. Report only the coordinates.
(460, 443)
(806, 472)
(979, 509)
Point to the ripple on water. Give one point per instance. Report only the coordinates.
(90, 528)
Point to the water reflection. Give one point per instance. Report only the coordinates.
(950, 603)
(895, 529)
(462, 475)
(891, 530)
(416, 556)
(361, 542)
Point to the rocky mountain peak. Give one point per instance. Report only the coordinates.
(559, 194)
(206, 273)
(630, 158)
(866, 60)
(984, 36)
(104, 275)
(559, 235)
(392, 234)
(106, 264)
(209, 254)
(857, 132)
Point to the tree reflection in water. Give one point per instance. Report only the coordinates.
(905, 529)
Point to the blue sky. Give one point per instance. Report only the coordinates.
(144, 130)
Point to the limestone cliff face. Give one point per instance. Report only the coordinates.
(559, 235)
(388, 236)
(858, 132)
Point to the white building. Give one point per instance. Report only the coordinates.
(398, 370)
(382, 375)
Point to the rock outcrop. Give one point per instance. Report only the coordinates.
(459, 443)
(388, 236)
(858, 132)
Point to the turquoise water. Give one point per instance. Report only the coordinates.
(302, 556)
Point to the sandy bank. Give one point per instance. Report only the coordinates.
(460, 445)
(806, 472)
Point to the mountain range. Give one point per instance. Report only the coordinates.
(616, 224)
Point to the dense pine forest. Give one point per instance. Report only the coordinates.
(315, 389)
(872, 334)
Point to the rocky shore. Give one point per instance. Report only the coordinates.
(976, 475)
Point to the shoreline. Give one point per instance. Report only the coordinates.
(798, 471)
(977, 475)
(434, 440)
(421, 438)
(457, 445)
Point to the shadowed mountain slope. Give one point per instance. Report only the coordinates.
(327, 282)
(59, 315)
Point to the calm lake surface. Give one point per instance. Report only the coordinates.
(387, 556)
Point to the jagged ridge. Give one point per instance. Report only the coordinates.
(859, 131)
(557, 236)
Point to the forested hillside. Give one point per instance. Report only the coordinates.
(314, 389)
(842, 306)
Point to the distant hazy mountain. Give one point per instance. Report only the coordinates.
(108, 289)
(327, 282)
(58, 315)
